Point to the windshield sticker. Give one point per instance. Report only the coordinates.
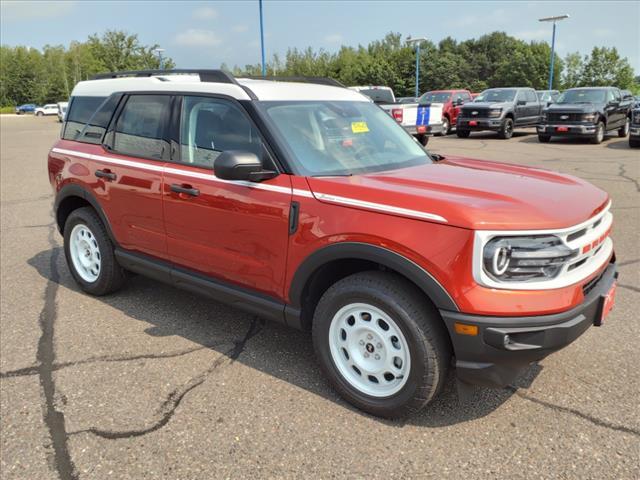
(359, 127)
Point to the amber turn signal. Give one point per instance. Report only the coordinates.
(463, 329)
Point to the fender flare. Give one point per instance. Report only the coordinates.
(75, 190)
(365, 251)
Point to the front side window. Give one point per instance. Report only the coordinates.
(210, 126)
(342, 138)
(531, 96)
(140, 129)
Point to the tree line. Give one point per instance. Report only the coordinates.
(493, 60)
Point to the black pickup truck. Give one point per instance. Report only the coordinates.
(634, 131)
(588, 112)
(500, 110)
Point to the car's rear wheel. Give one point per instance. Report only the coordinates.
(599, 135)
(423, 139)
(380, 343)
(463, 133)
(544, 138)
(624, 131)
(90, 253)
(506, 130)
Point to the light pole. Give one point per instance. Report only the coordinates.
(160, 57)
(417, 41)
(553, 42)
(264, 66)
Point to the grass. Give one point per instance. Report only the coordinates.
(7, 110)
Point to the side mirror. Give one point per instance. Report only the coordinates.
(239, 165)
(521, 102)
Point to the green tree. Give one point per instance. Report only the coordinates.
(606, 67)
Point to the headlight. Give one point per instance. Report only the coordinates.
(495, 112)
(522, 259)
(589, 117)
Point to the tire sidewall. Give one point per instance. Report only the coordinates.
(384, 406)
(507, 133)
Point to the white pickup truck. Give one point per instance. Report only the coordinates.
(420, 120)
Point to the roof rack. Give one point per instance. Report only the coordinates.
(318, 80)
(215, 76)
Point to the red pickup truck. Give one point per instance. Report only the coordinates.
(307, 204)
(451, 101)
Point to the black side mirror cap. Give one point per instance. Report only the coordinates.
(240, 165)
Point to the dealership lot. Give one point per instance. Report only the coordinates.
(154, 382)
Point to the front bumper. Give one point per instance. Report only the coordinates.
(494, 124)
(572, 130)
(427, 130)
(504, 346)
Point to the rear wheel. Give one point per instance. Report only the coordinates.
(599, 135)
(624, 131)
(506, 130)
(544, 138)
(423, 139)
(90, 253)
(463, 133)
(380, 343)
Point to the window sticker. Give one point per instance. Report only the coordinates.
(359, 127)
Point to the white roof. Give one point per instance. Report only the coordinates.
(263, 89)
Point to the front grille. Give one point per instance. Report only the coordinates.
(480, 113)
(560, 117)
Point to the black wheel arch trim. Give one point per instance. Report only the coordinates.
(365, 251)
(75, 190)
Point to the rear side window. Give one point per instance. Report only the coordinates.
(141, 127)
(80, 111)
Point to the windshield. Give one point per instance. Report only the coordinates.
(581, 95)
(343, 138)
(435, 97)
(378, 95)
(497, 95)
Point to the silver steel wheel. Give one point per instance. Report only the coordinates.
(369, 350)
(85, 253)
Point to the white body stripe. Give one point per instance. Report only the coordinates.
(325, 197)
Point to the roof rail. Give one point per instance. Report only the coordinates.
(319, 80)
(215, 76)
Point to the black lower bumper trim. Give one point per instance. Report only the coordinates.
(505, 346)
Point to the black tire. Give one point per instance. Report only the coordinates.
(420, 324)
(544, 138)
(624, 131)
(423, 139)
(634, 142)
(111, 276)
(506, 130)
(463, 133)
(599, 135)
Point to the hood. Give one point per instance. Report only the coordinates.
(470, 194)
(486, 105)
(572, 107)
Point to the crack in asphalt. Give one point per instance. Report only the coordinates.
(46, 355)
(33, 370)
(170, 404)
(577, 413)
(622, 173)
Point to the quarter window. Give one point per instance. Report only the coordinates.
(211, 126)
(140, 129)
(80, 111)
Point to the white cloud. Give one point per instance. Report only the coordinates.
(205, 13)
(240, 28)
(197, 38)
(539, 34)
(334, 38)
(13, 10)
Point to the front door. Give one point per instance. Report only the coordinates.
(230, 230)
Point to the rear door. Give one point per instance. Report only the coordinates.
(230, 230)
(534, 107)
(521, 109)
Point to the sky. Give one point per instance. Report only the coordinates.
(206, 34)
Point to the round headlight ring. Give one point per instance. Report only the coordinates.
(501, 259)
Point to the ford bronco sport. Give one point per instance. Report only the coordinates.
(307, 204)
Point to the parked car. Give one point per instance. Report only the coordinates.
(26, 108)
(500, 110)
(62, 110)
(474, 95)
(421, 121)
(48, 109)
(451, 101)
(588, 112)
(634, 130)
(308, 205)
(547, 97)
(407, 100)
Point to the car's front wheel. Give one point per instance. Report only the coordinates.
(506, 130)
(90, 253)
(381, 344)
(39, 114)
(446, 127)
(624, 131)
(599, 135)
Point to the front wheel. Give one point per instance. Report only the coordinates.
(39, 114)
(624, 131)
(446, 127)
(463, 133)
(599, 135)
(506, 130)
(381, 343)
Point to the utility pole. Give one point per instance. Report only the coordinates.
(553, 43)
(264, 66)
(417, 41)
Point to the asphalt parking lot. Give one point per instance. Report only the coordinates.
(154, 382)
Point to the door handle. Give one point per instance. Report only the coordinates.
(187, 189)
(106, 173)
